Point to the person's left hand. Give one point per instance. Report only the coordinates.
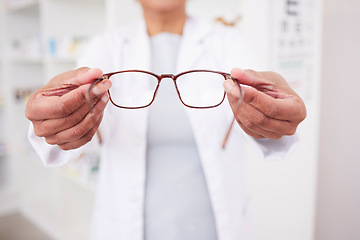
(269, 107)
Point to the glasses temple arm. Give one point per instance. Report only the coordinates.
(228, 133)
(88, 99)
(235, 114)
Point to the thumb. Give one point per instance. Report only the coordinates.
(80, 76)
(64, 94)
(233, 91)
(262, 81)
(75, 78)
(70, 80)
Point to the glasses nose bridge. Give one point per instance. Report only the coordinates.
(172, 76)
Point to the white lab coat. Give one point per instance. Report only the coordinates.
(118, 210)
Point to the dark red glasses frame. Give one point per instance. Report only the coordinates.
(174, 78)
(159, 78)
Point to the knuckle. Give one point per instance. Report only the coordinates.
(40, 131)
(44, 130)
(69, 75)
(82, 69)
(291, 131)
(79, 131)
(87, 138)
(65, 147)
(273, 111)
(67, 107)
(260, 120)
(63, 108)
(253, 72)
(257, 136)
(28, 114)
(249, 124)
(276, 137)
(30, 108)
(303, 114)
(253, 99)
(79, 97)
(275, 75)
(74, 118)
(51, 141)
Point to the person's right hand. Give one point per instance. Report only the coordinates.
(60, 112)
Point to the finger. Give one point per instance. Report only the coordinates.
(54, 107)
(287, 109)
(79, 130)
(50, 127)
(43, 103)
(66, 103)
(257, 122)
(250, 132)
(233, 91)
(67, 81)
(282, 109)
(270, 83)
(78, 76)
(83, 140)
(254, 120)
(251, 78)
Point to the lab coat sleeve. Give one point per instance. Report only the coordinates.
(239, 53)
(53, 155)
(275, 149)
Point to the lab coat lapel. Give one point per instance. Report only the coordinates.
(137, 48)
(136, 55)
(209, 125)
(191, 48)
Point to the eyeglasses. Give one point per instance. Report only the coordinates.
(136, 89)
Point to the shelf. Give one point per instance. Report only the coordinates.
(40, 39)
(22, 5)
(27, 61)
(62, 60)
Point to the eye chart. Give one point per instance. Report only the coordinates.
(292, 44)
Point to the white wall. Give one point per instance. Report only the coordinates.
(284, 192)
(338, 204)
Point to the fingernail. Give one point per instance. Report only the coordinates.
(105, 98)
(228, 85)
(97, 90)
(107, 85)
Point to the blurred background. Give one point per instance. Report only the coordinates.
(315, 44)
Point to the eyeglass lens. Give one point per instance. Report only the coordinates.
(133, 89)
(196, 89)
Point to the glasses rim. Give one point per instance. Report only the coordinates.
(174, 77)
(159, 78)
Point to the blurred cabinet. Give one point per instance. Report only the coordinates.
(39, 39)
